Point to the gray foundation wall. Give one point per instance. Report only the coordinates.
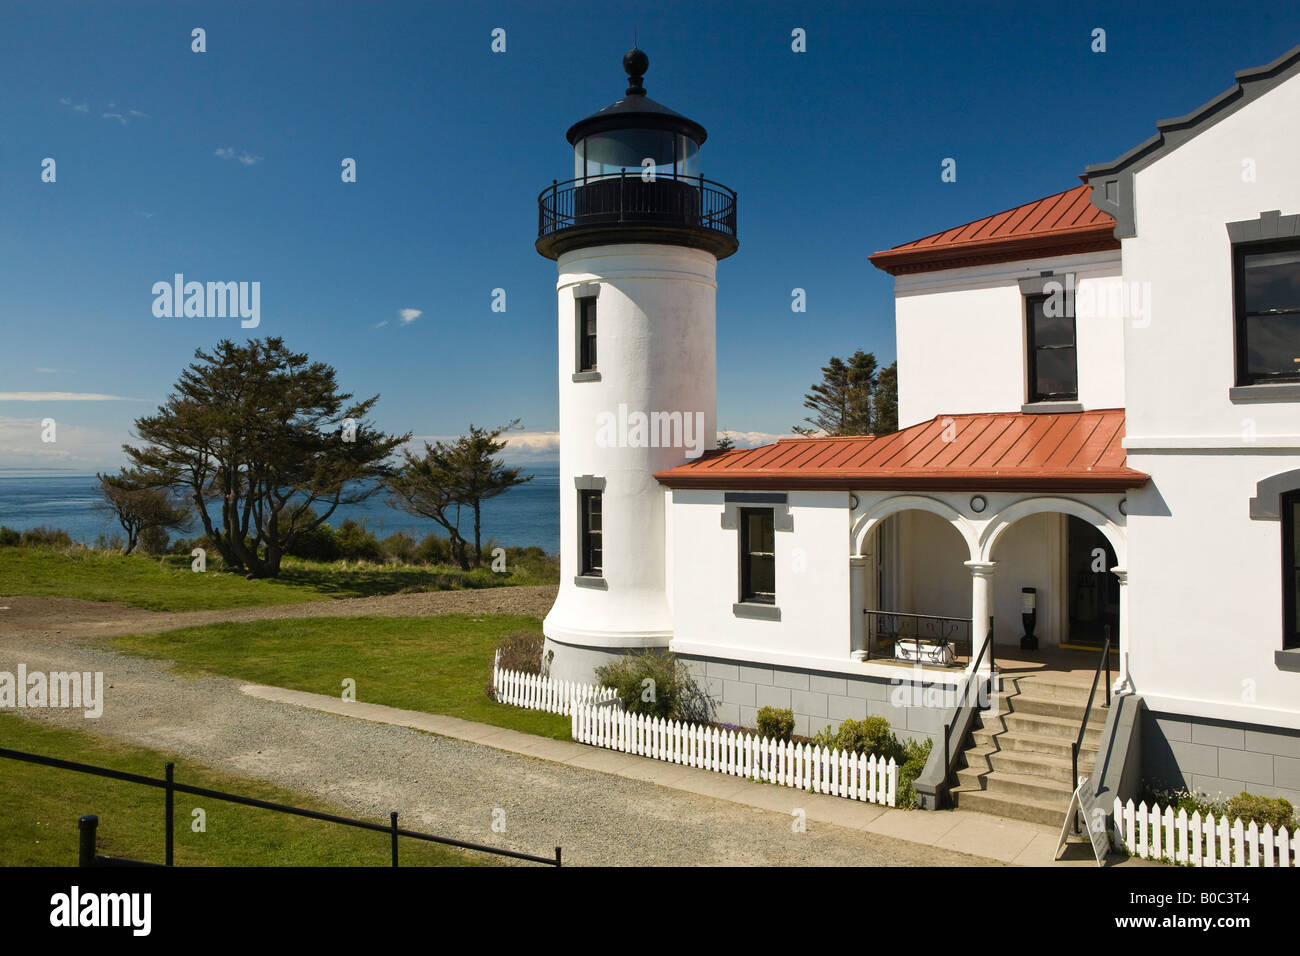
(1220, 757)
(818, 698)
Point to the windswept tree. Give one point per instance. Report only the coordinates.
(141, 507)
(452, 476)
(264, 445)
(853, 398)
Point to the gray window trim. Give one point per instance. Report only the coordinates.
(584, 290)
(1267, 227)
(1046, 408)
(588, 483)
(591, 581)
(781, 517)
(1251, 394)
(1287, 660)
(756, 612)
(586, 376)
(1037, 285)
(757, 497)
(583, 483)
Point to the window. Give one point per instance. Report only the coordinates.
(589, 502)
(1290, 569)
(587, 335)
(1267, 292)
(1053, 369)
(757, 556)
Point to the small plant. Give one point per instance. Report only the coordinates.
(776, 724)
(658, 684)
(521, 651)
(871, 736)
(1262, 810)
(915, 756)
(9, 538)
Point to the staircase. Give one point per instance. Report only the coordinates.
(1019, 764)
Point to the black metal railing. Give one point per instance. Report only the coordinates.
(886, 628)
(667, 199)
(973, 694)
(89, 823)
(1087, 712)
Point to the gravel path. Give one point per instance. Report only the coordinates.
(441, 785)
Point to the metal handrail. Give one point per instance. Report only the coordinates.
(1087, 712)
(964, 703)
(556, 207)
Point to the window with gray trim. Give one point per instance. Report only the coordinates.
(592, 558)
(586, 334)
(1290, 570)
(1051, 361)
(1266, 292)
(757, 556)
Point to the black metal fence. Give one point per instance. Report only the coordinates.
(89, 823)
(936, 635)
(668, 199)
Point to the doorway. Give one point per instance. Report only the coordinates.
(1093, 591)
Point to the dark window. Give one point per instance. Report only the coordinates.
(757, 556)
(1267, 290)
(1291, 569)
(1053, 371)
(591, 533)
(587, 335)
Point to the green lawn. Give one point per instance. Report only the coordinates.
(439, 665)
(40, 806)
(168, 584)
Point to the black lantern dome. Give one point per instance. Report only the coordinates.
(636, 179)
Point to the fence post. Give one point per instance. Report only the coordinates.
(392, 819)
(169, 830)
(557, 856)
(87, 825)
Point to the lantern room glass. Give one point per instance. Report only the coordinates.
(612, 152)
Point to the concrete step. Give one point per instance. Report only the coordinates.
(1048, 686)
(1042, 725)
(1049, 812)
(1019, 741)
(1024, 763)
(1024, 703)
(1016, 785)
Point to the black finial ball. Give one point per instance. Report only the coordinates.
(635, 63)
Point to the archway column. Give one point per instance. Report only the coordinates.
(981, 605)
(858, 564)
(1121, 681)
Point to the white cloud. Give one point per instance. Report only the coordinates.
(246, 160)
(47, 371)
(75, 107)
(226, 153)
(77, 449)
(521, 447)
(751, 439)
(65, 397)
(117, 116)
(409, 315)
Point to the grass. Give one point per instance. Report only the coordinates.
(439, 665)
(168, 584)
(42, 805)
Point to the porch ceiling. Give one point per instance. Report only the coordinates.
(1001, 451)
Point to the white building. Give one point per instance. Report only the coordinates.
(1099, 400)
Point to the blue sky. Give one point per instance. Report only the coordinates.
(225, 166)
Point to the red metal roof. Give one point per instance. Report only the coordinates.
(1064, 223)
(1008, 451)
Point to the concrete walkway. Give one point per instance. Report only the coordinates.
(1009, 841)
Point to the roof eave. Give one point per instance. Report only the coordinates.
(1094, 238)
(1115, 481)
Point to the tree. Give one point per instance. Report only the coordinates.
(265, 447)
(841, 401)
(452, 475)
(724, 442)
(141, 508)
(884, 403)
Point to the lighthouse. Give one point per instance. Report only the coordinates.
(636, 236)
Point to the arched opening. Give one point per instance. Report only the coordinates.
(1092, 591)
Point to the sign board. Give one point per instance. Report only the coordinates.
(1094, 822)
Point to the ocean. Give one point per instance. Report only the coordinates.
(526, 515)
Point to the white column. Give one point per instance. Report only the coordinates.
(1121, 680)
(857, 604)
(981, 606)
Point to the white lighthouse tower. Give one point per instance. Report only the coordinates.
(636, 235)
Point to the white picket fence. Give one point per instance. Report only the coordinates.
(804, 767)
(1154, 834)
(533, 692)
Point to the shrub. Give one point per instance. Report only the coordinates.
(777, 724)
(9, 538)
(1262, 810)
(356, 543)
(521, 651)
(153, 540)
(44, 537)
(915, 756)
(110, 542)
(871, 736)
(434, 550)
(658, 684)
(400, 547)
